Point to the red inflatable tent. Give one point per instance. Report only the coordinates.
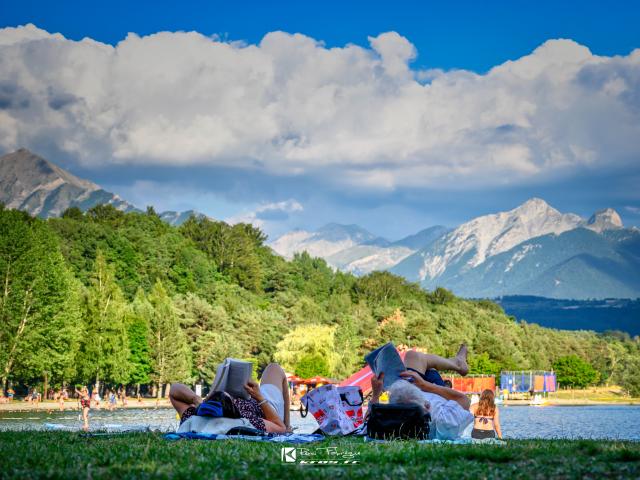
(362, 378)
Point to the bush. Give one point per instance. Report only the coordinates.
(630, 378)
(311, 345)
(482, 364)
(311, 365)
(442, 296)
(572, 371)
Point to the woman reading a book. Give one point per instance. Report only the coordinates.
(266, 408)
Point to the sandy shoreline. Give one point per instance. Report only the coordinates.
(164, 403)
(569, 402)
(18, 406)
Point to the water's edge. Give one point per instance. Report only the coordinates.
(617, 422)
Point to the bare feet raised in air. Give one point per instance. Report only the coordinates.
(461, 360)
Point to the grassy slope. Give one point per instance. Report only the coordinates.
(68, 455)
(611, 394)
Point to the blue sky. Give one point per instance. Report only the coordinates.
(473, 35)
(253, 132)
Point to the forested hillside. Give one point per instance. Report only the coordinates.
(117, 298)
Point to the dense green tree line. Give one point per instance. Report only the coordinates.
(109, 298)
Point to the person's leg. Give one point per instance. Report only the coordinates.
(422, 361)
(274, 374)
(85, 418)
(182, 397)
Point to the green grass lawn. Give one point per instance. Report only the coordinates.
(70, 455)
(611, 394)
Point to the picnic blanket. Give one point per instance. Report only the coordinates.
(296, 438)
(460, 441)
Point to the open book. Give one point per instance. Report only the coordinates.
(386, 359)
(231, 377)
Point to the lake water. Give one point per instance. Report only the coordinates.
(606, 421)
(603, 421)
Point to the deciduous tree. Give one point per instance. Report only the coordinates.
(307, 342)
(169, 350)
(39, 302)
(104, 352)
(573, 371)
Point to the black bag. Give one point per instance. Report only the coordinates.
(246, 431)
(397, 421)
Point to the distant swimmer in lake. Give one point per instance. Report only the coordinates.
(85, 405)
(487, 417)
(266, 409)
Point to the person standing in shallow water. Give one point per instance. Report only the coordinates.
(112, 400)
(486, 423)
(95, 396)
(85, 405)
(60, 397)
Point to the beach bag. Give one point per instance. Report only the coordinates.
(338, 410)
(397, 421)
(219, 404)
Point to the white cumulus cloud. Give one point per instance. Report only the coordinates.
(356, 116)
(268, 212)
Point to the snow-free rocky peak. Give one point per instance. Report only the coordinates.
(27, 180)
(31, 183)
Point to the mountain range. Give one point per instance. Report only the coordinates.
(29, 182)
(532, 249)
(351, 248)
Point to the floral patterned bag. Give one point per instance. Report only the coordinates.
(338, 410)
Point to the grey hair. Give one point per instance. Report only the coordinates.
(402, 391)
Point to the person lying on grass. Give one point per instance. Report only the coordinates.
(449, 408)
(266, 410)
